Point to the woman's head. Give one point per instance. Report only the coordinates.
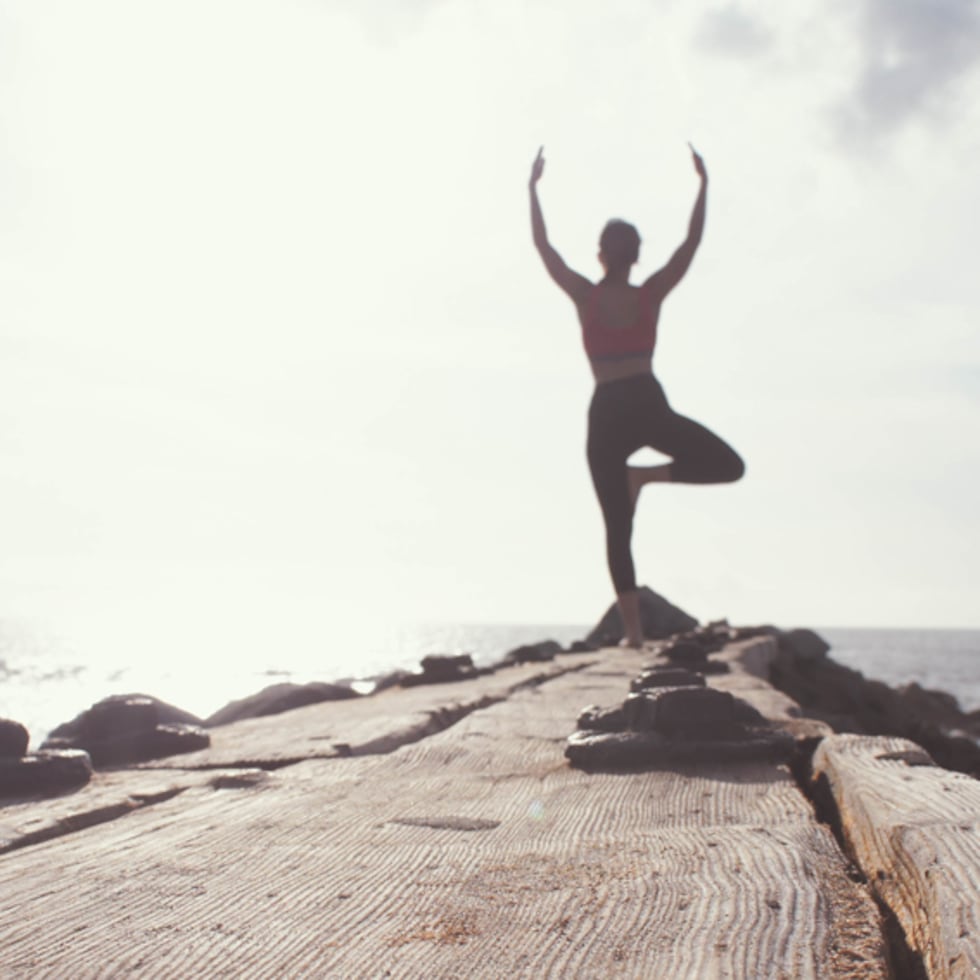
(619, 246)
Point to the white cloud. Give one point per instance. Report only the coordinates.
(732, 30)
(914, 58)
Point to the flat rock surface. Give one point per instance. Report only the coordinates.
(475, 851)
(912, 828)
(365, 726)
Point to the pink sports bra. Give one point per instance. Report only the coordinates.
(603, 342)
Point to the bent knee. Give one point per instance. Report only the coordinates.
(736, 469)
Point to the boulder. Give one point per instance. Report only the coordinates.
(596, 751)
(685, 653)
(804, 644)
(129, 728)
(582, 646)
(13, 739)
(121, 713)
(277, 698)
(659, 725)
(597, 719)
(533, 652)
(851, 703)
(443, 668)
(392, 679)
(673, 711)
(44, 773)
(659, 618)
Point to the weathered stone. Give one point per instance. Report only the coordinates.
(14, 738)
(658, 617)
(277, 698)
(533, 652)
(582, 646)
(44, 773)
(595, 718)
(667, 677)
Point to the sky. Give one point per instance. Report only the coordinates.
(277, 355)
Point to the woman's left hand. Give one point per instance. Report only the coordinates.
(698, 163)
(537, 168)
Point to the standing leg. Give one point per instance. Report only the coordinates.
(611, 481)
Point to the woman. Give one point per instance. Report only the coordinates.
(629, 409)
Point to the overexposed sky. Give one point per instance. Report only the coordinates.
(276, 350)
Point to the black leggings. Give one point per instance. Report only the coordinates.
(625, 416)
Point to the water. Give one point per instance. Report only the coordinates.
(946, 660)
(45, 680)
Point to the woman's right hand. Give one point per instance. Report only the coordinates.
(537, 168)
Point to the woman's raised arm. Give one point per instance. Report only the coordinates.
(571, 282)
(671, 274)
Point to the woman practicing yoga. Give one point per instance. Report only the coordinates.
(629, 409)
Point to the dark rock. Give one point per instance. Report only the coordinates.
(140, 746)
(594, 718)
(667, 677)
(659, 618)
(13, 739)
(392, 679)
(849, 702)
(596, 751)
(277, 698)
(681, 711)
(804, 644)
(640, 712)
(582, 646)
(685, 653)
(440, 668)
(751, 632)
(129, 728)
(437, 663)
(929, 707)
(44, 773)
(710, 638)
(533, 652)
(119, 714)
(745, 714)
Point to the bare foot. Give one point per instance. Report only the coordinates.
(632, 643)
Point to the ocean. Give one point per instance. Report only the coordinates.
(45, 680)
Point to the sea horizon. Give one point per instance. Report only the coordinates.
(44, 682)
